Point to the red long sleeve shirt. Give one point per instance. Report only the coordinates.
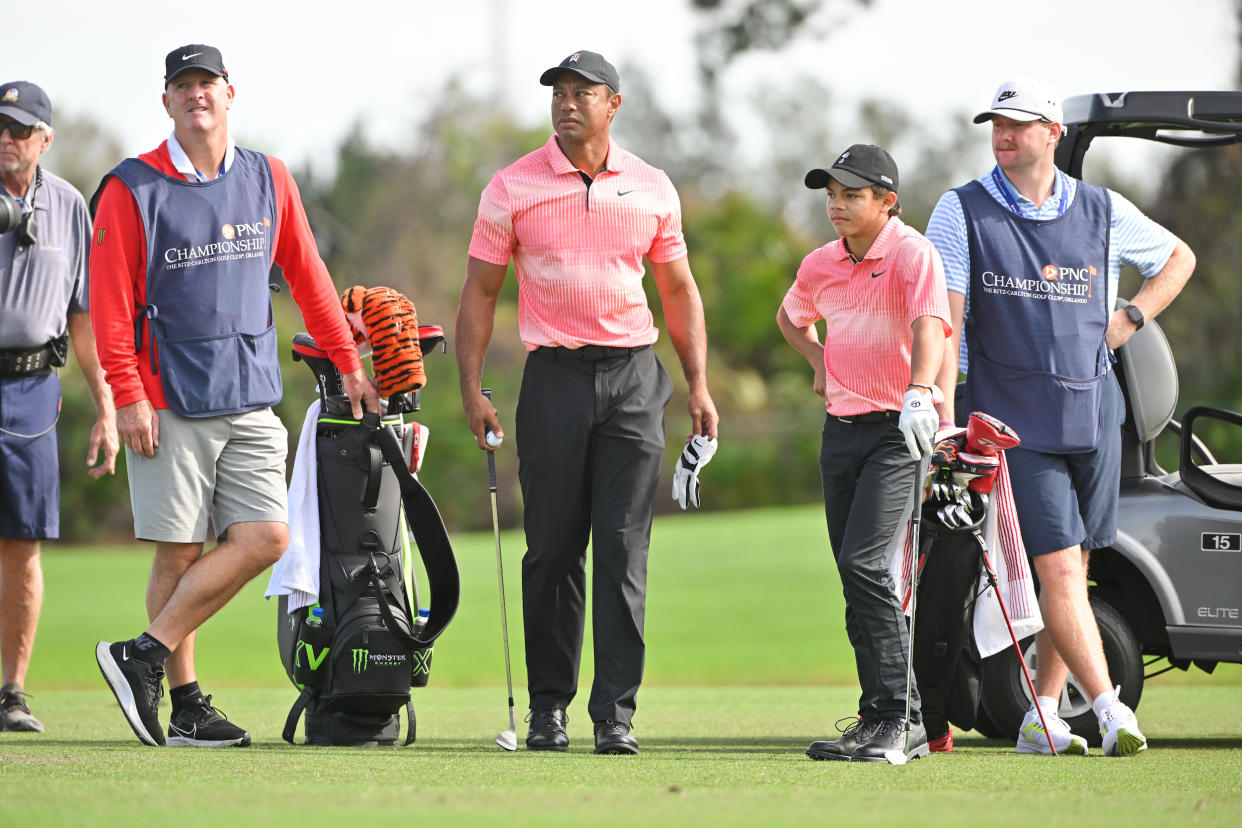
(118, 282)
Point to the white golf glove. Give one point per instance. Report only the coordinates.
(697, 454)
(918, 423)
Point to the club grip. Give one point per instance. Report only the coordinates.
(491, 455)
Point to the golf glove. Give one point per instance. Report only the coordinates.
(918, 423)
(697, 454)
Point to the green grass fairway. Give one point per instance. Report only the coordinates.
(747, 663)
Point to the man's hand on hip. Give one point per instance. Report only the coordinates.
(362, 393)
(138, 426)
(918, 423)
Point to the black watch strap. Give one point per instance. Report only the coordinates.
(1136, 315)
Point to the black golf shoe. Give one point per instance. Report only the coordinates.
(614, 738)
(137, 686)
(843, 748)
(888, 743)
(198, 724)
(547, 729)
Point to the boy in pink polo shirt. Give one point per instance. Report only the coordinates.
(880, 291)
(577, 217)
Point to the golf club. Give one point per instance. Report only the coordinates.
(899, 757)
(987, 564)
(507, 739)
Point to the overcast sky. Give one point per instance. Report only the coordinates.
(305, 71)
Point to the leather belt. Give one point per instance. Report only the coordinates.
(869, 417)
(590, 353)
(19, 362)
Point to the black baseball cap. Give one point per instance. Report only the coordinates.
(859, 166)
(25, 103)
(590, 65)
(194, 56)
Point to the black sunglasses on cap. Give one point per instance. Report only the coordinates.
(19, 132)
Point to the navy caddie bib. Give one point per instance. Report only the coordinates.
(208, 310)
(1035, 330)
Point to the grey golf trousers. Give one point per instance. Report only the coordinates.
(867, 476)
(590, 439)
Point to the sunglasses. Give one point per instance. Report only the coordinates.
(19, 132)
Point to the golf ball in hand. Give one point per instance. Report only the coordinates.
(493, 440)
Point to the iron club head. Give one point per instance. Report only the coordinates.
(895, 757)
(507, 740)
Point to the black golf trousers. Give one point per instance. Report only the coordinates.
(867, 476)
(590, 438)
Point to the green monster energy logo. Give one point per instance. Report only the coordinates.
(360, 660)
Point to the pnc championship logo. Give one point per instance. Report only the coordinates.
(1055, 282)
(241, 240)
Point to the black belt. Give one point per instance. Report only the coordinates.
(590, 353)
(869, 417)
(19, 361)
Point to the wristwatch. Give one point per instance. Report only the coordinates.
(1136, 315)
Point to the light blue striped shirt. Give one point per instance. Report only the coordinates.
(1134, 238)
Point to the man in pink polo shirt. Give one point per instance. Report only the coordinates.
(577, 217)
(880, 291)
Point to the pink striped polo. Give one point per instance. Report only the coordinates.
(868, 308)
(577, 249)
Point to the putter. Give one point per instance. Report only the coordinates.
(508, 738)
(899, 757)
(987, 564)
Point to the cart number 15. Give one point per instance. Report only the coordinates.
(1221, 542)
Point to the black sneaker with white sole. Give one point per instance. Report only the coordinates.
(198, 724)
(137, 686)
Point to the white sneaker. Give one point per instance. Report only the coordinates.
(1119, 727)
(1033, 739)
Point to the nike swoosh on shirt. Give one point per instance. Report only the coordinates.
(881, 273)
(187, 57)
(624, 192)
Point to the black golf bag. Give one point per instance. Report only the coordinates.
(356, 665)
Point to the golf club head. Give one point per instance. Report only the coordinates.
(507, 740)
(895, 757)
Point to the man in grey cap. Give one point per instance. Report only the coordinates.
(43, 302)
(577, 217)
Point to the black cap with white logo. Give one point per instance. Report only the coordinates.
(859, 166)
(590, 65)
(194, 56)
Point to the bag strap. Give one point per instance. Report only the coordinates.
(429, 535)
(295, 713)
(410, 726)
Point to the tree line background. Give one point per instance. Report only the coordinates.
(403, 218)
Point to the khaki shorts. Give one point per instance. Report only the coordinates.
(228, 469)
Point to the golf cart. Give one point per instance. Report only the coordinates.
(1170, 587)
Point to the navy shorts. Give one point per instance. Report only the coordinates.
(29, 467)
(1065, 500)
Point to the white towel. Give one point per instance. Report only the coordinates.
(1008, 557)
(296, 574)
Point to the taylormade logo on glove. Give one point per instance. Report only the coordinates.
(918, 423)
(697, 454)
